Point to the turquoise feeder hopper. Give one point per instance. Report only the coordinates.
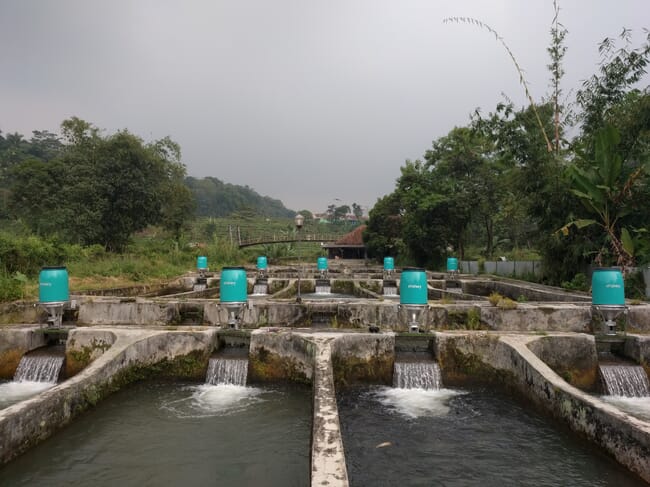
(389, 264)
(53, 285)
(202, 263)
(321, 263)
(452, 264)
(233, 286)
(413, 287)
(607, 288)
(262, 263)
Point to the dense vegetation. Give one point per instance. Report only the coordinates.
(570, 182)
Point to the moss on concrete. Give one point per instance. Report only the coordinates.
(460, 368)
(350, 370)
(78, 359)
(9, 360)
(342, 287)
(585, 379)
(192, 366)
(266, 366)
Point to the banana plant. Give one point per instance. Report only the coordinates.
(605, 187)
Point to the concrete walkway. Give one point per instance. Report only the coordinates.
(327, 455)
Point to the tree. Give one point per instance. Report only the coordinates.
(340, 212)
(607, 188)
(357, 211)
(102, 189)
(383, 233)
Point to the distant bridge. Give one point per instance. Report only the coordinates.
(286, 238)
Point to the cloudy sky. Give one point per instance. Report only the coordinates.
(311, 102)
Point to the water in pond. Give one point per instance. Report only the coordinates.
(13, 392)
(170, 434)
(639, 407)
(414, 437)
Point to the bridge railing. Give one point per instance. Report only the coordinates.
(287, 238)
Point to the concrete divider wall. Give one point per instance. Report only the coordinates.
(515, 290)
(280, 356)
(573, 357)
(637, 347)
(16, 342)
(363, 358)
(136, 311)
(184, 353)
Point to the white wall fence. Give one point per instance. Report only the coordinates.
(514, 268)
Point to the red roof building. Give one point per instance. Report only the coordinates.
(349, 246)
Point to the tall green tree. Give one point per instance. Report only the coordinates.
(101, 189)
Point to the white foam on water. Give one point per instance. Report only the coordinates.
(638, 407)
(416, 403)
(14, 391)
(208, 400)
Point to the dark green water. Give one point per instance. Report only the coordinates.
(409, 437)
(162, 434)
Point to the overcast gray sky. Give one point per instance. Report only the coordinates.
(310, 102)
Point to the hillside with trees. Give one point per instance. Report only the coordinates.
(214, 198)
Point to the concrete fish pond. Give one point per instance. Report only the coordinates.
(319, 369)
(531, 366)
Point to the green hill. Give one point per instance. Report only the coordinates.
(218, 199)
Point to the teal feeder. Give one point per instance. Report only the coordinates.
(53, 293)
(233, 289)
(233, 286)
(53, 285)
(607, 287)
(321, 263)
(202, 263)
(262, 263)
(413, 287)
(608, 296)
(389, 264)
(452, 264)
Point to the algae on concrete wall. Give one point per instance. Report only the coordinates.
(266, 366)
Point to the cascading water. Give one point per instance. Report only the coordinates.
(625, 380)
(39, 368)
(390, 290)
(260, 289)
(35, 373)
(227, 371)
(417, 375)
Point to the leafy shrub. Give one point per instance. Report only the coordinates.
(474, 319)
(11, 288)
(578, 283)
(494, 298)
(507, 303)
(28, 254)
